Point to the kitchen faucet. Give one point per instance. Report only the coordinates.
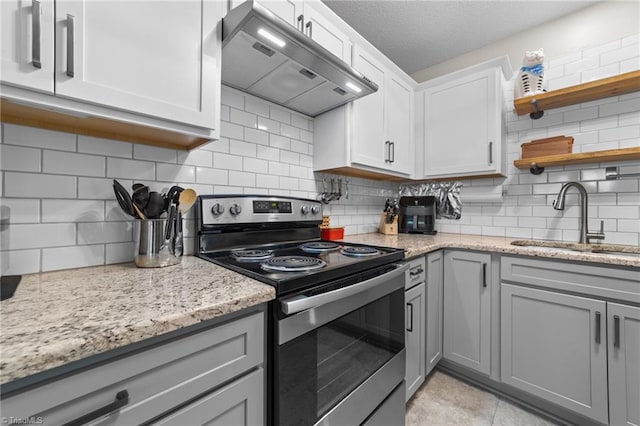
(558, 204)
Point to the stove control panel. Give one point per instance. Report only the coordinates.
(230, 209)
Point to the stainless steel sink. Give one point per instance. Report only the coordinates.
(610, 249)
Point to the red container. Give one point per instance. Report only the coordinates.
(332, 234)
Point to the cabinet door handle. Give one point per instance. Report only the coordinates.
(309, 27)
(393, 152)
(598, 327)
(616, 331)
(410, 305)
(301, 23)
(70, 35)
(490, 152)
(387, 154)
(484, 274)
(122, 399)
(35, 34)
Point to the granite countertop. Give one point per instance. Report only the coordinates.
(414, 245)
(55, 318)
(58, 317)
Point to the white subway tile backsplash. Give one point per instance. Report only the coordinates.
(280, 169)
(72, 257)
(256, 136)
(618, 55)
(581, 114)
(231, 130)
(227, 162)
(626, 132)
(38, 235)
(18, 262)
(629, 65)
(292, 184)
(73, 211)
(267, 181)
(38, 138)
(121, 252)
(206, 175)
(255, 165)
(243, 118)
(106, 147)
(130, 169)
(629, 225)
(618, 186)
(19, 210)
(175, 173)
(25, 185)
(619, 212)
(19, 158)
(290, 131)
(154, 153)
(289, 157)
(196, 158)
(243, 149)
(242, 179)
(278, 141)
(233, 98)
(267, 153)
(280, 114)
(256, 106)
(300, 122)
(306, 136)
(620, 107)
(225, 113)
(104, 232)
(267, 125)
(73, 164)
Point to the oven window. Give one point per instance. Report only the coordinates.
(319, 369)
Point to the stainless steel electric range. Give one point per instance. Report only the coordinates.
(336, 328)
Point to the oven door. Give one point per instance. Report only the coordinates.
(340, 350)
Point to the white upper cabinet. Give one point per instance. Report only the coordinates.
(373, 136)
(154, 60)
(26, 37)
(140, 57)
(460, 129)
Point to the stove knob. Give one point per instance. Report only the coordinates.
(304, 209)
(235, 209)
(217, 209)
(315, 209)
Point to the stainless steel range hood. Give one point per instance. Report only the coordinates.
(265, 56)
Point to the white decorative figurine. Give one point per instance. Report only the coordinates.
(531, 76)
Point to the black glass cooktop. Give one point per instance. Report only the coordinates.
(324, 266)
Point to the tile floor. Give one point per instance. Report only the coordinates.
(445, 400)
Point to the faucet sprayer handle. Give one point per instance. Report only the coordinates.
(596, 235)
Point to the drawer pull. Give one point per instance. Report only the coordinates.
(616, 331)
(122, 399)
(35, 36)
(416, 273)
(410, 328)
(598, 327)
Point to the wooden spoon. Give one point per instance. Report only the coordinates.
(186, 200)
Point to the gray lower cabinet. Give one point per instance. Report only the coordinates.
(434, 282)
(239, 403)
(415, 303)
(156, 380)
(467, 306)
(623, 324)
(414, 338)
(555, 346)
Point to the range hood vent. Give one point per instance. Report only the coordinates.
(265, 56)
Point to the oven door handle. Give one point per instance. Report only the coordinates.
(302, 303)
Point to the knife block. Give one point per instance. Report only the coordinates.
(388, 228)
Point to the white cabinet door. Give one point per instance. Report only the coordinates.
(326, 33)
(462, 126)
(398, 111)
(467, 306)
(288, 10)
(158, 59)
(369, 147)
(434, 310)
(554, 346)
(26, 39)
(623, 325)
(414, 339)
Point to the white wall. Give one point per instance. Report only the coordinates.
(609, 20)
(609, 123)
(58, 209)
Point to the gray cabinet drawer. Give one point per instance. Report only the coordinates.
(416, 273)
(156, 379)
(240, 404)
(608, 282)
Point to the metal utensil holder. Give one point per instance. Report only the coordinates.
(153, 250)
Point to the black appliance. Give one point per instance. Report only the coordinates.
(417, 215)
(336, 327)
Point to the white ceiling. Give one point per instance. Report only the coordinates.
(417, 34)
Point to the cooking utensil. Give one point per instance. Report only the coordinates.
(139, 212)
(137, 186)
(186, 199)
(172, 195)
(140, 197)
(177, 238)
(123, 198)
(155, 206)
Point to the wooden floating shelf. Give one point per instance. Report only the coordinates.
(580, 158)
(607, 87)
